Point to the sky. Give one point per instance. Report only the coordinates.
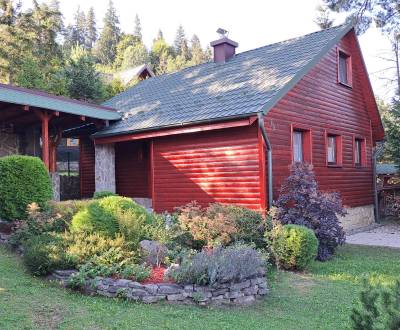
(251, 23)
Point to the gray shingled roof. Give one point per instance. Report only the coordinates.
(386, 169)
(249, 82)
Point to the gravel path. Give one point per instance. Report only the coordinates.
(388, 234)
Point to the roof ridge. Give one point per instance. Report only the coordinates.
(295, 38)
(167, 74)
(38, 92)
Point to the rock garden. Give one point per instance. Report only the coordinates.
(204, 255)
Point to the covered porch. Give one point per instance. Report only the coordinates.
(33, 123)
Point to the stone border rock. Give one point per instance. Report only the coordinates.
(242, 293)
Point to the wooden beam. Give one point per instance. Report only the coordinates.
(45, 138)
(173, 131)
(54, 142)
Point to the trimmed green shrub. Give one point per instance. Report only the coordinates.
(45, 253)
(92, 269)
(23, 180)
(112, 215)
(102, 194)
(293, 246)
(81, 246)
(114, 262)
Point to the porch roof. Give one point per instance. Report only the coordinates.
(39, 99)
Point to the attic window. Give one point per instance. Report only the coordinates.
(344, 68)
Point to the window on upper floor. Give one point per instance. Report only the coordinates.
(344, 68)
(301, 145)
(333, 150)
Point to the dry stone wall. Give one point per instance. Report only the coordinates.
(242, 293)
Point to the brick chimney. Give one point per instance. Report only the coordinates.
(224, 48)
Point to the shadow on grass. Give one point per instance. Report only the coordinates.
(352, 263)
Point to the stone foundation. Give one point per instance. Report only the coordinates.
(358, 217)
(145, 202)
(55, 181)
(105, 167)
(242, 293)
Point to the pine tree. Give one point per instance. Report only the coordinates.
(208, 54)
(385, 13)
(126, 41)
(378, 307)
(79, 33)
(13, 40)
(180, 38)
(160, 35)
(83, 82)
(198, 55)
(323, 19)
(91, 30)
(159, 54)
(30, 33)
(135, 55)
(137, 32)
(30, 75)
(106, 46)
(185, 51)
(45, 23)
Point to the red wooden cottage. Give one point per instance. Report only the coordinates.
(227, 131)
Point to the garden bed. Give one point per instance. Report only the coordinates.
(242, 293)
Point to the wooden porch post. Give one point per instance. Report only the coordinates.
(54, 142)
(45, 139)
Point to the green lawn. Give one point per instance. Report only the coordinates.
(319, 299)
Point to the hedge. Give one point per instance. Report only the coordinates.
(23, 180)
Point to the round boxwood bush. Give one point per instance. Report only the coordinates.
(23, 180)
(293, 246)
(102, 194)
(111, 215)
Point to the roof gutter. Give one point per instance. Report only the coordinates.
(377, 151)
(260, 117)
(101, 134)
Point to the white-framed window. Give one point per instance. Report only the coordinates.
(298, 146)
(332, 150)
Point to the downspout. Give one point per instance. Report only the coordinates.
(260, 117)
(376, 153)
(376, 203)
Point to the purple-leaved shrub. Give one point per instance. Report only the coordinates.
(301, 203)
